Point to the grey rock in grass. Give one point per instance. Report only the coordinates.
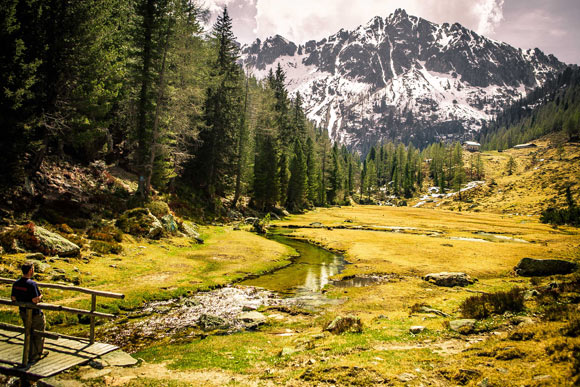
(449, 279)
(530, 267)
(417, 329)
(464, 326)
(343, 324)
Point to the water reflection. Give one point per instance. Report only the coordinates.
(305, 278)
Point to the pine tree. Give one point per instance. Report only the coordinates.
(298, 184)
(336, 177)
(312, 172)
(511, 165)
(215, 159)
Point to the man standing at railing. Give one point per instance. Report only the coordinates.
(26, 290)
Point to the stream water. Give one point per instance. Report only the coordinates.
(304, 279)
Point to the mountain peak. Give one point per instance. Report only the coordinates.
(404, 78)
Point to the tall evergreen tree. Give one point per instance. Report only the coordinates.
(298, 184)
(215, 158)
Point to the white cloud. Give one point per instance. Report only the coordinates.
(490, 13)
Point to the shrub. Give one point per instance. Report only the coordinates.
(483, 306)
(105, 233)
(103, 247)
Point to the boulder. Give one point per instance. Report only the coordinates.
(252, 319)
(449, 279)
(343, 324)
(463, 326)
(417, 329)
(36, 256)
(170, 224)
(41, 267)
(190, 230)
(530, 267)
(119, 358)
(34, 238)
(316, 225)
(208, 322)
(140, 222)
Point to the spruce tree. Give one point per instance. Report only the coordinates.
(298, 184)
(214, 165)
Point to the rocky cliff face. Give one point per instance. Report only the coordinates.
(403, 78)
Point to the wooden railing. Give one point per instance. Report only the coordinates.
(27, 329)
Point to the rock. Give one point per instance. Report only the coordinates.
(417, 329)
(209, 322)
(140, 222)
(119, 359)
(170, 224)
(542, 377)
(252, 317)
(463, 326)
(36, 256)
(248, 308)
(449, 279)
(97, 364)
(483, 383)
(33, 238)
(530, 267)
(406, 377)
(426, 309)
(41, 267)
(529, 294)
(190, 230)
(55, 381)
(316, 224)
(286, 351)
(522, 320)
(344, 324)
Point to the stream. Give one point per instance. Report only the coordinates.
(298, 284)
(304, 279)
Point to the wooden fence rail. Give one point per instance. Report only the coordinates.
(59, 308)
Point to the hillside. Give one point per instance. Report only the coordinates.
(538, 180)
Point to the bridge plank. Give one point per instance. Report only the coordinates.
(63, 354)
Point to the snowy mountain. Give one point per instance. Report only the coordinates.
(402, 78)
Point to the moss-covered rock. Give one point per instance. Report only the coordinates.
(158, 208)
(34, 238)
(140, 222)
(345, 324)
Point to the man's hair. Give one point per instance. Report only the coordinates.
(26, 266)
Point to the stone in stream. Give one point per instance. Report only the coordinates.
(449, 279)
(530, 267)
(209, 322)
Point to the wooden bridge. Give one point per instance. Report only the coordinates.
(64, 351)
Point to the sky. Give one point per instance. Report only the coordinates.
(550, 25)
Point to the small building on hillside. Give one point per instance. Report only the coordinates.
(523, 146)
(471, 146)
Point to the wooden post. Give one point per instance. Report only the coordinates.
(27, 336)
(93, 307)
